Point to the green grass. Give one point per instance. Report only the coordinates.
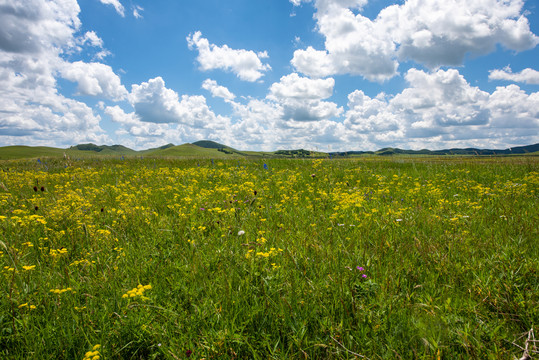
(42, 152)
(21, 152)
(182, 151)
(189, 150)
(405, 258)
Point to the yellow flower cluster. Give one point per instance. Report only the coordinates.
(94, 354)
(61, 291)
(272, 251)
(138, 291)
(57, 252)
(83, 262)
(269, 253)
(31, 307)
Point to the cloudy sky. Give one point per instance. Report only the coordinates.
(324, 75)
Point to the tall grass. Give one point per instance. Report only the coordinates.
(405, 258)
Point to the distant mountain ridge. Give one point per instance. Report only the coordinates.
(212, 149)
(455, 151)
(208, 144)
(99, 148)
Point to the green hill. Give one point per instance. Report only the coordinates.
(148, 151)
(208, 144)
(212, 149)
(21, 152)
(105, 149)
(189, 150)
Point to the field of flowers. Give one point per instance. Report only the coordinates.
(423, 258)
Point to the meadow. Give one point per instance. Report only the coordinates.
(367, 258)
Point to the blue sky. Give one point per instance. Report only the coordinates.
(270, 74)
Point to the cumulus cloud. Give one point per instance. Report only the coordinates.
(513, 110)
(93, 39)
(33, 38)
(430, 32)
(34, 26)
(441, 109)
(217, 90)
(527, 76)
(246, 64)
(442, 32)
(132, 126)
(367, 116)
(92, 42)
(117, 6)
(118, 115)
(35, 114)
(154, 102)
(294, 86)
(354, 45)
(94, 79)
(315, 63)
(301, 98)
(263, 125)
(437, 109)
(442, 98)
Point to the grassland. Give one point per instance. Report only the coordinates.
(378, 258)
(210, 149)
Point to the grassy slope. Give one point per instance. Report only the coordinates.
(189, 150)
(185, 150)
(447, 277)
(20, 152)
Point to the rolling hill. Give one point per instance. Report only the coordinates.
(212, 149)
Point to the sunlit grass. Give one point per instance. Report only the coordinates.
(431, 258)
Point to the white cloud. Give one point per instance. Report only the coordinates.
(117, 5)
(325, 5)
(294, 86)
(442, 110)
(137, 10)
(430, 32)
(33, 26)
(301, 98)
(354, 45)
(438, 109)
(313, 110)
(439, 33)
(512, 109)
(442, 98)
(33, 38)
(93, 39)
(527, 76)
(94, 79)
(246, 64)
(118, 115)
(315, 63)
(217, 90)
(162, 116)
(370, 116)
(38, 114)
(132, 126)
(154, 102)
(263, 125)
